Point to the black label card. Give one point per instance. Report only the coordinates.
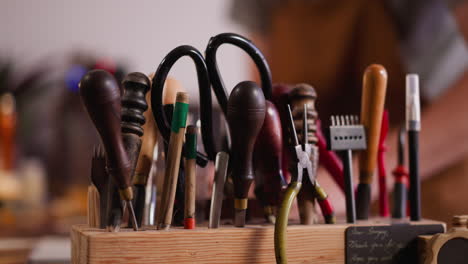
(385, 244)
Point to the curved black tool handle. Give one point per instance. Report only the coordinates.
(247, 46)
(205, 97)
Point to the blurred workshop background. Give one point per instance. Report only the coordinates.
(46, 138)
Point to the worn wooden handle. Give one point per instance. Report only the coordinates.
(372, 106)
(173, 160)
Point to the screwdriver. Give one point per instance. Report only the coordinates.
(100, 94)
(245, 116)
(372, 105)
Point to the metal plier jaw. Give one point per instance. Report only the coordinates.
(303, 162)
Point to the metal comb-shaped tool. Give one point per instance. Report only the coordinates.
(346, 135)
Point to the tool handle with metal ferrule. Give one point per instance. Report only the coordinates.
(413, 126)
(221, 166)
(281, 224)
(325, 205)
(100, 94)
(204, 87)
(384, 208)
(176, 140)
(145, 161)
(245, 116)
(246, 45)
(190, 176)
(372, 106)
(329, 159)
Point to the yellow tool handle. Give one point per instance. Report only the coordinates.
(372, 107)
(282, 222)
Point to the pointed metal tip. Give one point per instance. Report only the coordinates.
(131, 214)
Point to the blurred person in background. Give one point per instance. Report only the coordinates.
(328, 44)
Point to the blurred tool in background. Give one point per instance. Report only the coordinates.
(384, 207)
(400, 190)
(268, 152)
(413, 126)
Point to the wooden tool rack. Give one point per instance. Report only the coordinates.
(253, 244)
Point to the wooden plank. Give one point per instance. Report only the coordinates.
(252, 244)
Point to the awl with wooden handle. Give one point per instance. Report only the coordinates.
(245, 116)
(372, 107)
(100, 94)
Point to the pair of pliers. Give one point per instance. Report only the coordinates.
(301, 154)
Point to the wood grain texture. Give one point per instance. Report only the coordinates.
(318, 244)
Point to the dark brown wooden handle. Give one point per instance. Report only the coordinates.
(245, 115)
(136, 85)
(100, 94)
(372, 105)
(268, 154)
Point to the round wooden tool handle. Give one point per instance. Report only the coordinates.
(372, 106)
(100, 94)
(245, 115)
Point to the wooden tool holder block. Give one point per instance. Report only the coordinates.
(253, 244)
